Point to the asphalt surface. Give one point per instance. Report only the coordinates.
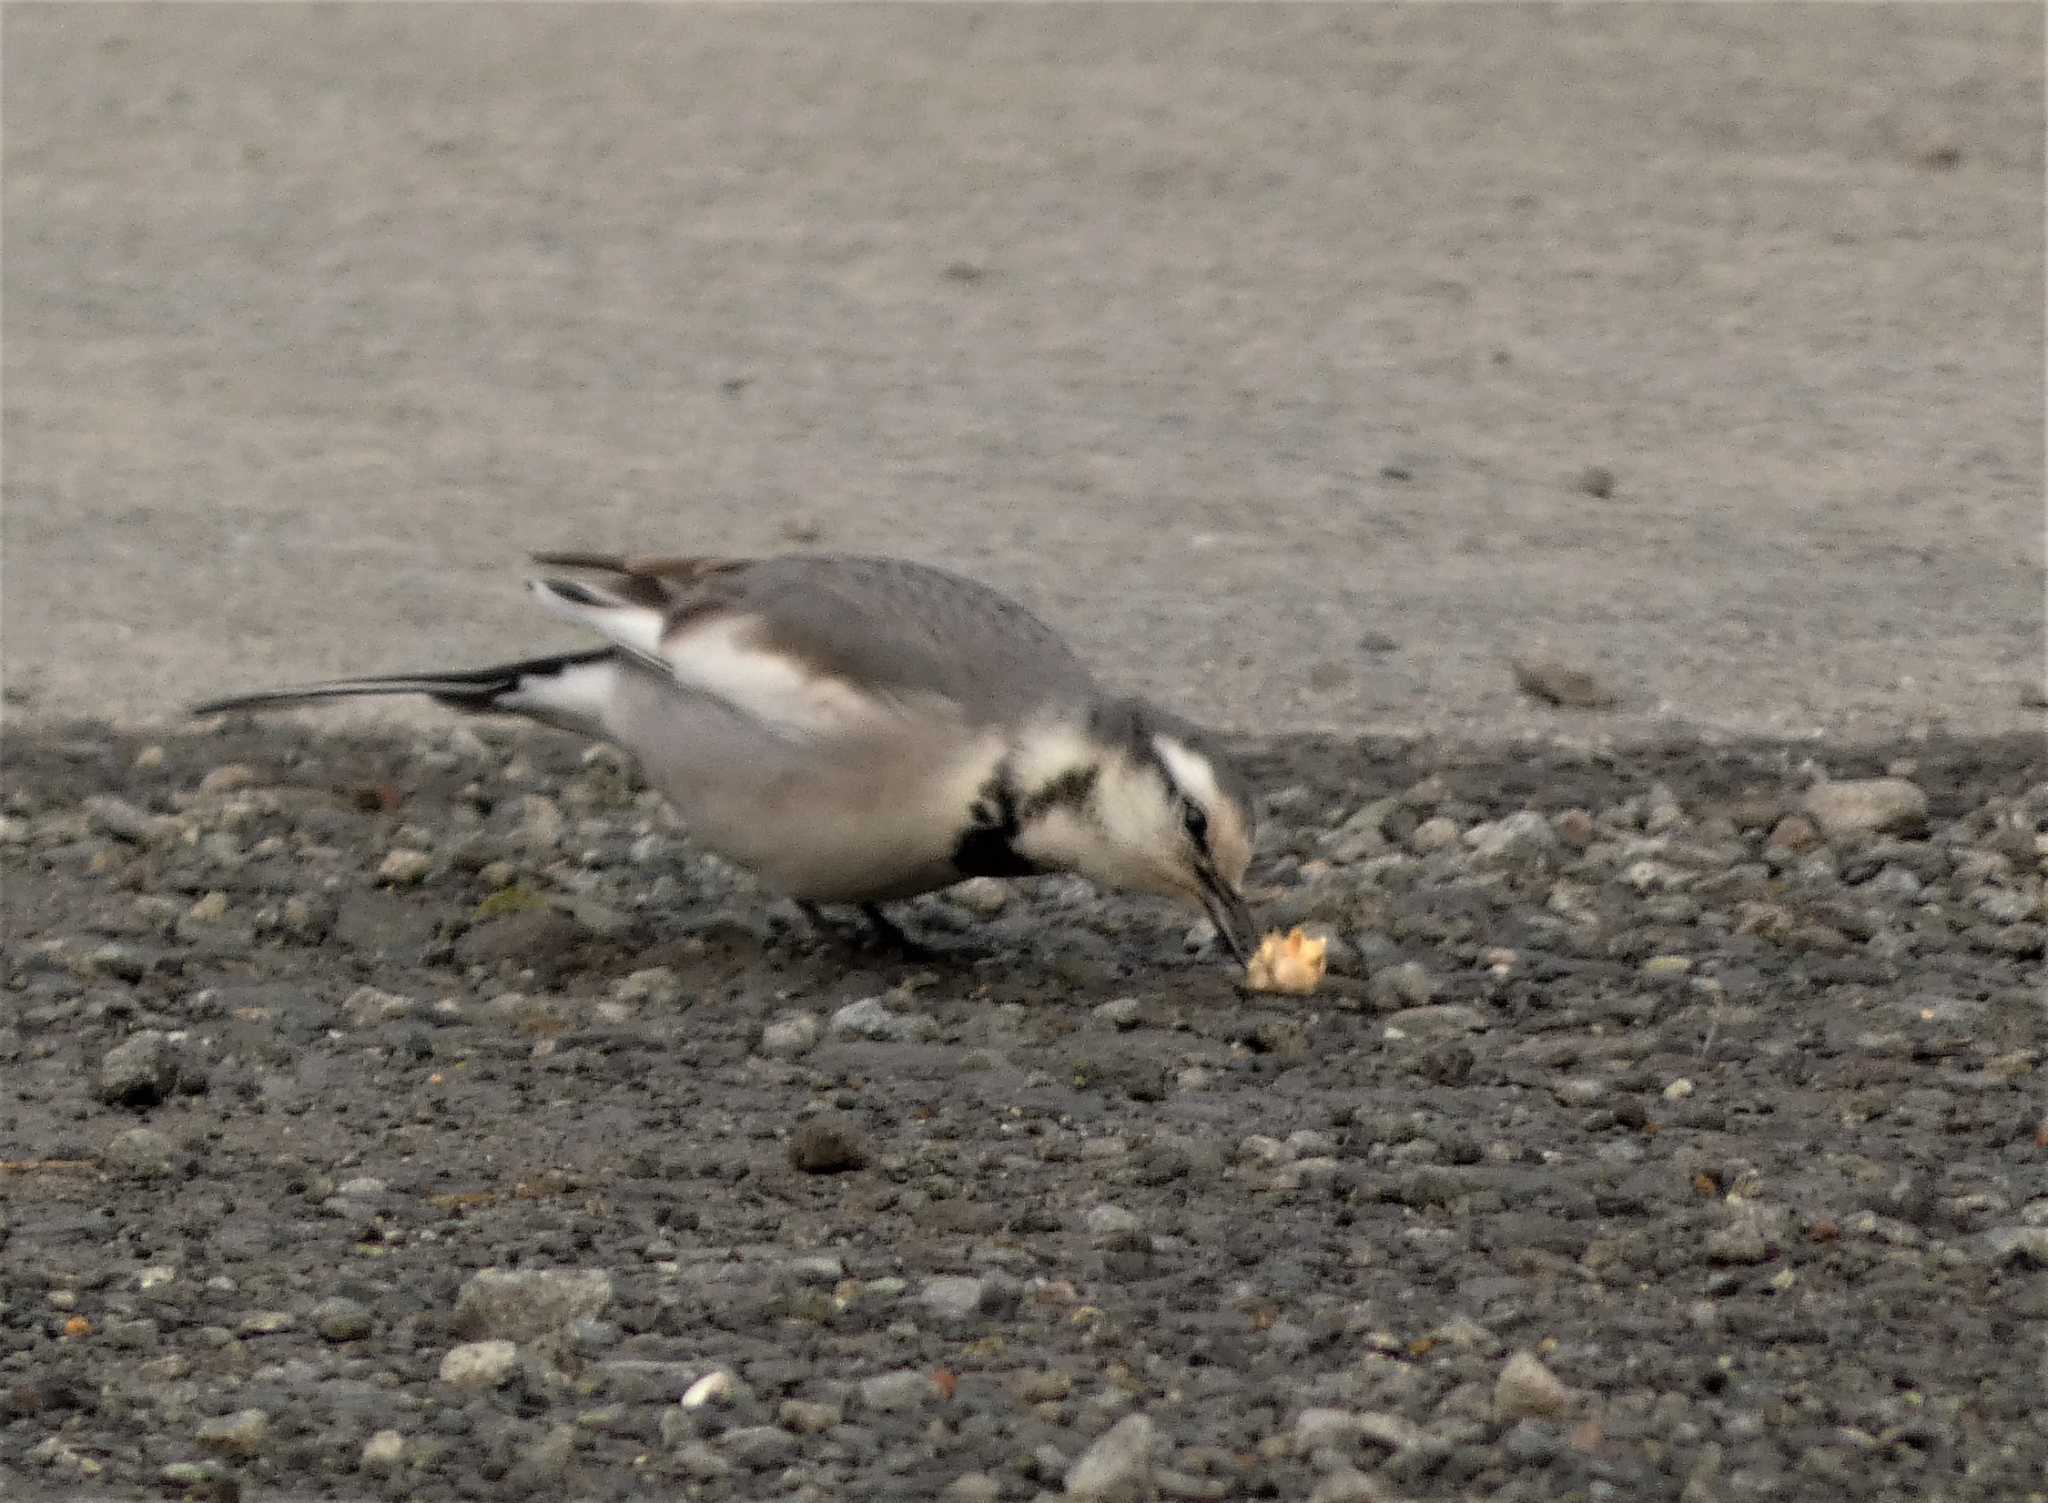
(1266, 349)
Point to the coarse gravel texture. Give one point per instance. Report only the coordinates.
(421, 1117)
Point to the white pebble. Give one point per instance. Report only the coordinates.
(712, 1388)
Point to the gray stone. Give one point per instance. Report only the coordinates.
(140, 1152)
(383, 1453)
(985, 896)
(121, 819)
(1557, 682)
(789, 1035)
(870, 1018)
(1526, 1388)
(404, 867)
(829, 1143)
(1315, 1429)
(1347, 1484)
(1520, 839)
(888, 1393)
(545, 1459)
(525, 1303)
(2027, 1244)
(806, 1417)
(759, 1446)
(1118, 1466)
(1406, 984)
(1742, 1243)
(342, 1319)
(695, 1459)
(1867, 806)
(479, 1364)
(141, 1071)
(1109, 1223)
(118, 961)
(366, 1006)
(951, 1299)
(239, 1434)
(1121, 1013)
(656, 986)
(1434, 834)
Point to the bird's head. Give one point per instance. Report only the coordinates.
(1137, 798)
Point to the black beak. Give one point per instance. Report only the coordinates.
(1231, 915)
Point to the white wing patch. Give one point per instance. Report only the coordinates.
(720, 656)
(636, 628)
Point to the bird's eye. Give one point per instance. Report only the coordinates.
(1196, 821)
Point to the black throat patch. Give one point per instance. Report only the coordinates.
(986, 847)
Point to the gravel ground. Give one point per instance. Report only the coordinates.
(424, 1118)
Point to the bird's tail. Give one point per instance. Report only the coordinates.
(571, 689)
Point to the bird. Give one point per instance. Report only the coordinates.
(858, 730)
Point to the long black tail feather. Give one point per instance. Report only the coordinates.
(476, 690)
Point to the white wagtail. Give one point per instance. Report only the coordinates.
(855, 730)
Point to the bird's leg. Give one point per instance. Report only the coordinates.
(881, 930)
(891, 934)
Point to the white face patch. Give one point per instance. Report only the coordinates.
(1229, 834)
(1191, 770)
(1046, 755)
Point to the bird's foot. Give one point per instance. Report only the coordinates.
(880, 932)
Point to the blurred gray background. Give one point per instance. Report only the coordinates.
(1265, 349)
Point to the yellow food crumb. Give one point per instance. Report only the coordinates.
(1290, 963)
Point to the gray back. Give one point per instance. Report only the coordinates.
(902, 626)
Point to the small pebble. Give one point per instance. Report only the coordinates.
(404, 867)
(1118, 1466)
(805, 1417)
(1867, 806)
(1566, 685)
(524, 1304)
(828, 1143)
(1403, 985)
(1121, 1013)
(210, 909)
(480, 1364)
(985, 896)
(382, 1453)
(140, 1152)
(1433, 834)
(342, 1319)
(241, 1433)
(951, 1299)
(789, 1035)
(1738, 1244)
(1526, 1387)
(716, 1387)
(141, 1071)
(657, 986)
(871, 1018)
(889, 1393)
